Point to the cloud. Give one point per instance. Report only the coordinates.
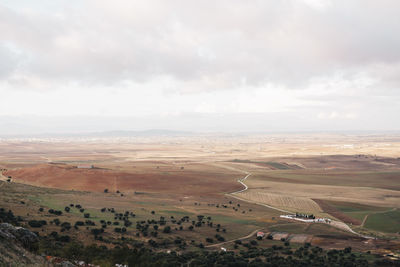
(216, 57)
(215, 44)
(9, 61)
(318, 4)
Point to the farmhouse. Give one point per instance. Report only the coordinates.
(85, 166)
(260, 234)
(306, 218)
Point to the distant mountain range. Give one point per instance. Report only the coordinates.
(143, 133)
(174, 133)
(151, 132)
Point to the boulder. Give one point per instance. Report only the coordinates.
(17, 245)
(21, 235)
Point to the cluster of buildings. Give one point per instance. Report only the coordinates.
(306, 218)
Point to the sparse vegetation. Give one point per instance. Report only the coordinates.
(189, 213)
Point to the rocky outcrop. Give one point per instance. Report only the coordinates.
(15, 245)
(20, 235)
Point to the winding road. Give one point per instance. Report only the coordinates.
(242, 182)
(233, 240)
(336, 224)
(3, 179)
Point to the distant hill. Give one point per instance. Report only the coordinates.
(144, 133)
(151, 132)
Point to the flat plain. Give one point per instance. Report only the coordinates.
(352, 179)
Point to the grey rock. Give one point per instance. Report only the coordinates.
(20, 234)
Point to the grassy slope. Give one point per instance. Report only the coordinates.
(235, 223)
(384, 180)
(355, 210)
(388, 222)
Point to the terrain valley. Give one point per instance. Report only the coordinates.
(275, 195)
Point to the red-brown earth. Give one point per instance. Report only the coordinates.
(182, 182)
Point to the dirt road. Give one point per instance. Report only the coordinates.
(241, 181)
(233, 240)
(336, 224)
(3, 179)
(366, 216)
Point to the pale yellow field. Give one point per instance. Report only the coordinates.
(285, 202)
(287, 171)
(195, 149)
(298, 194)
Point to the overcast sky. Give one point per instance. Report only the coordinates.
(209, 65)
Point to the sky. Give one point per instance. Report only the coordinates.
(210, 65)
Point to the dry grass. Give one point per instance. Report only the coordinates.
(290, 203)
(362, 195)
(334, 167)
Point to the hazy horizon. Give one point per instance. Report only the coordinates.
(66, 130)
(225, 66)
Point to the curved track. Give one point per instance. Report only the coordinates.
(337, 224)
(233, 240)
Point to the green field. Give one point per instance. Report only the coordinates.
(25, 199)
(384, 180)
(349, 207)
(377, 218)
(323, 229)
(275, 165)
(388, 222)
(304, 228)
(356, 210)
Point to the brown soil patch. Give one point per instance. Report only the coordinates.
(279, 236)
(300, 238)
(336, 213)
(181, 182)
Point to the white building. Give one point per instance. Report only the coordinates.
(85, 166)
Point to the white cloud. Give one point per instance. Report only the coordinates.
(319, 4)
(332, 60)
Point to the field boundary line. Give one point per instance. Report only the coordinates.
(337, 224)
(364, 220)
(261, 204)
(241, 181)
(372, 213)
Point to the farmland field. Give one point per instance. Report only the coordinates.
(293, 204)
(384, 221)
(350, 212)
(375, 179)
(361, 194)
(192, 186)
